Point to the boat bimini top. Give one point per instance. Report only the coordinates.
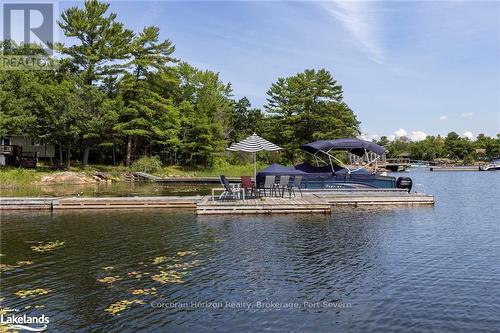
(357, 147)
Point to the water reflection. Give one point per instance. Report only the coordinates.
(105, 189)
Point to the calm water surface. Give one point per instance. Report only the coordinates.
(125, 189)
(387, 269)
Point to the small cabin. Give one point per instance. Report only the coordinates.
(17, 150)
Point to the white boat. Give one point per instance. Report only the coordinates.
(494, 165)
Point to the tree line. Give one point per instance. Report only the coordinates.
(452, 146)
(118, 95)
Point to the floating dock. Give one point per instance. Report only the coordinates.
(457, 168)
(317, 201)
(98, 203)
(265, 205)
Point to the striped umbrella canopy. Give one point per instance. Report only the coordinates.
(254, 144)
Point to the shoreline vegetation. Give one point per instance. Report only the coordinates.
(13, 177)
(77, 175)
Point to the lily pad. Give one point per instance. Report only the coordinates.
(31, 292)
(24, 263)
(5, 267)
(186, 253)
(109, 279)
(168, 277)
(122, 305)
(46, 247)
(7, 329)
(147, 291)
(159, 260)
(185, 265)
(135, 274)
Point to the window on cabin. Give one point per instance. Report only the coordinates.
(34, 142)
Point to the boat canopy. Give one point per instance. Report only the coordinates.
(354, 146)
(278, 169)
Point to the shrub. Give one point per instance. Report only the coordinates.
(147, 164)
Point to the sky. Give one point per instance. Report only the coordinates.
(411, 68)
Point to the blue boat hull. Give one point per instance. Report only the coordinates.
(356, 181)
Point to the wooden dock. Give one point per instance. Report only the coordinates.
(265, 205)
(377, 199)
(317, 201)
(125, 202)
(456, 168)
(98, 203)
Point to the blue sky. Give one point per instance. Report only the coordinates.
(407, 67)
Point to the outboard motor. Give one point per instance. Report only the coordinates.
(404, 182)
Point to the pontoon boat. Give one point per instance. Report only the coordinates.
(331, 173)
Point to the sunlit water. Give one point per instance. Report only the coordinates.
(386, 269)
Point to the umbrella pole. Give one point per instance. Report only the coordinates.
(255, 167)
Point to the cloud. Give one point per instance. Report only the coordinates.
(443, 117)
(417, 136)
(413, 135)
(358, 18)
(368, 137)
(468, 135)
(400, 132)
(466, 114)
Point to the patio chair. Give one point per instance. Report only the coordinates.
(283, 185)
(233, 191)
(247, 185)
(297, 180)
(269, 184)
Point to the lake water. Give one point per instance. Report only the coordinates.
(359, 270)
(126, 189)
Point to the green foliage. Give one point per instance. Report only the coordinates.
(102, 43)
(147, 164)
(18, 176)
(147, 114)
(453, 147)
(102, 40)
(308, 106)
(204, 107)
(243, 120)
(22, 93)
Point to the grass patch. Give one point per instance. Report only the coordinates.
(19, 176)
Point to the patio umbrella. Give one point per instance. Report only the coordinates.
(254, 144)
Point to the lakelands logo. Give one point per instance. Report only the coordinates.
(24, 322)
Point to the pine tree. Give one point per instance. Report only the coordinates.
(308, 106)
(102, 43)
(147, 113)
